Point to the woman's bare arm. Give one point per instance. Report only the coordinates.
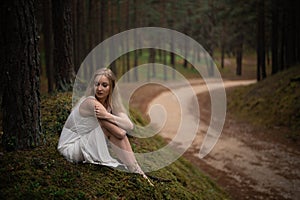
(112, 129)
(120, 119)
(87, 109)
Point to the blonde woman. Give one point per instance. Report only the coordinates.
(99, 116)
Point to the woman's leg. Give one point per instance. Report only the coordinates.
(122, 147)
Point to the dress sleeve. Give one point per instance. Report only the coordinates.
(87, 107)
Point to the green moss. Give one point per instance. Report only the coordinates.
(42, 173)
(273, 102)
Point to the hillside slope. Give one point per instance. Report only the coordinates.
(273, 103)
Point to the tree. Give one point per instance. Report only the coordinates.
(48, 40)
(275, 37)
(239, 54)
(111, 26)
(291, 32)
(238, 19)
(20, 60)
(135, 23)
(83, 19)
(261, 63)
(63, 44)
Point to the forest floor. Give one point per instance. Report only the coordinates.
(248, 161)
(42, 173)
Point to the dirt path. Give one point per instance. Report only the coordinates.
(245, 163)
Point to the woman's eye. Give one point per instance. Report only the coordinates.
(97, 84)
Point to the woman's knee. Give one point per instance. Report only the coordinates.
(115, 136)
(121, 136)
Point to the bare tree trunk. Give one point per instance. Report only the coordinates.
(82, 33)
(94, 24)
(76, 59)
(291, 33)
(282, 46)
(222, 55)
(48, 39)
(261, 63)
(102, 19)
(20, 58)
(136, 40)
(275, 37)
(172, 57)
(151, 59)
(239, 55)
(223, 43)
(112, 32)
(185, 62)
(63, 44)
(127, 45)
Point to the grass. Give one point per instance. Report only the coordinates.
(271, 103)
(42, 173)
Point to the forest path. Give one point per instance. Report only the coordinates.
(245, 164)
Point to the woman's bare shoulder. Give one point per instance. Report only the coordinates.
(87, 106)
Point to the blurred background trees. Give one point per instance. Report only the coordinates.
(224, 27)
(269, 29)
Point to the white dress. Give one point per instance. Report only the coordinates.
(82, 140)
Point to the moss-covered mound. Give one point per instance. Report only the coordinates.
(42, 173)
(273, 102)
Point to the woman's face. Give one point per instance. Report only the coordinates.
(101, 88)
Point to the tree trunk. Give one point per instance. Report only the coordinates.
(239, 58)
(112, 32)
(20, 58)
(263, 41)
(76, 60)
(172, 57)
(135, 64)
(127, 42)
(185, 62)
(282, 44)
(297, 29)
(261, 64)
(275, 37)
(94, 25)
(222, 55)
(48, 39)
(151, 61)
(102, 19)
(239, 55)
(290, 32)
(63, 44)
(81, 30)
(223, 44)
(297, 34)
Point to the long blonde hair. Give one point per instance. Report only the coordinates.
(112, 81)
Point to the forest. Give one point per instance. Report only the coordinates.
(44, 42)
(53, 38)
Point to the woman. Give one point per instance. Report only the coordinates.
(95, 118)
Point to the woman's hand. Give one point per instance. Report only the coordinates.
(119, 119)
(101, 112)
